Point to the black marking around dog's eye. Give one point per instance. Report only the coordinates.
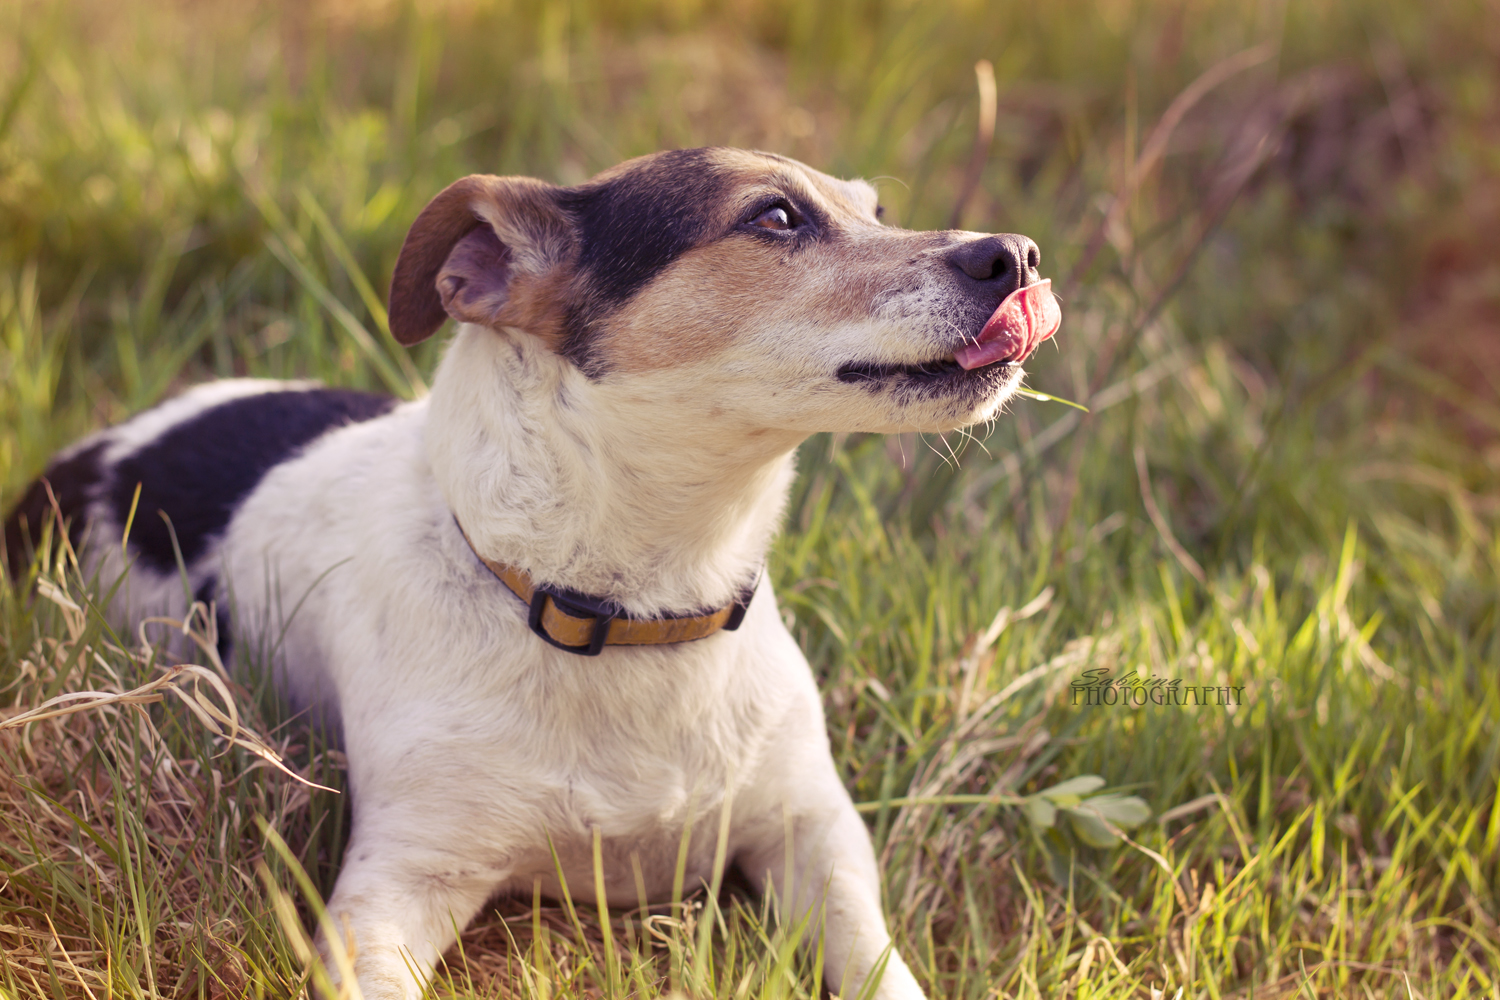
(634, 225)
(629, 229)
(74, 481)
(200, 470)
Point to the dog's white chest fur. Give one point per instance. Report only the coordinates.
(436, 685)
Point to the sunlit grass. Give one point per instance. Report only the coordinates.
(1265, 493)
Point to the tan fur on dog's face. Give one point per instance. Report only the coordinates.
(655, 277)
(753, 280)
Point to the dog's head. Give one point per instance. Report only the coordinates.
(755, 284)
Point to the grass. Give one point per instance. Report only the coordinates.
(1279, 310)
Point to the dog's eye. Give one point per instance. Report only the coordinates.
(776, 217)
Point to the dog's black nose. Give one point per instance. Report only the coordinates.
(1003, 262)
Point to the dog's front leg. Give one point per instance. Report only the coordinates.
(398, 900)
(828, 873)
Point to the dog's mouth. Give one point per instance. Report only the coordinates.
(1017, 327)
(934, 372)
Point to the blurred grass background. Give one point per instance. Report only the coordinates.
(1273, 227)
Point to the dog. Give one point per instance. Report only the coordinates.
(531, 605)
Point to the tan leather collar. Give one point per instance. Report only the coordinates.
(584, 625)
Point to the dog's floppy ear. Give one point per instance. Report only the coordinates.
(468, 246)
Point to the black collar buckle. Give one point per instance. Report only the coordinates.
(579, 606)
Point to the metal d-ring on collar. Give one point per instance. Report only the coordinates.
(553, 609)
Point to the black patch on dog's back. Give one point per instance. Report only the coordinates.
(200, 470)
(73, 481)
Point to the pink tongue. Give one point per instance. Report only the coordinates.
(1027, 317)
